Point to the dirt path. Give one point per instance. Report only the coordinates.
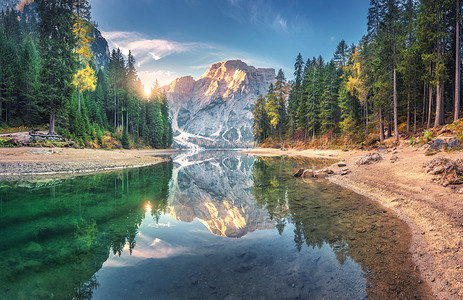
(27, 162)
(434, 213)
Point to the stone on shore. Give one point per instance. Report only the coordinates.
(369, 158)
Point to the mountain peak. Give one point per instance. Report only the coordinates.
(216, 110)
(224, 69)
(180, 85)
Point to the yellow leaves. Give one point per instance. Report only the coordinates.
(85, 78)
(357, 81)
(82, 31)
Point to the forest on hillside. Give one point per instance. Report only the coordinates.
(48, 76)
(402, 77)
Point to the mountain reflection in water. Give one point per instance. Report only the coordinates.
(146, 233)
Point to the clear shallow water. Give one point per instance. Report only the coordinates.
(210, 225)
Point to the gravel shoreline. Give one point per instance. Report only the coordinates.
(29, 163)
(433, 213)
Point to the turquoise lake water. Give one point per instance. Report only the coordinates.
(209, 225)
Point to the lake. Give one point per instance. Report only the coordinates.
(208, 225)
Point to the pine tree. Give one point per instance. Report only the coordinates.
(84, 79)
(295, 93)
(56, 43)
(116, 79)
(29, 69)
(273, 109)
(340, 56)
(329, 107)
(9, 78)
(260, 120)
(456, 114)
(280, 90)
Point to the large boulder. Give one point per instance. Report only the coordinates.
(454, 144)
(437, 146)
(437, 166)
(369, 158)
(450, 171)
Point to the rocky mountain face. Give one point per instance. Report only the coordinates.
(217, 190)
(216, 110)
(100, 49)
(9, 4)
(28, 9)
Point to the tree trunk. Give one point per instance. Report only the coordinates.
(51, 130)
(423, 120)
(457, 64)
(429, 106)
(396, 128)
(381, 126)
(389, 127)
(408, 109)
(366, 117)
(115, 109)
(414, 117)
(78, 96)
(439, 106)
(442, 113)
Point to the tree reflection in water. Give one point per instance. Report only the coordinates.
(56, 234)
(351, 225)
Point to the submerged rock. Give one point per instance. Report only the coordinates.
(308, 174)
(299, 173)
(345, 172)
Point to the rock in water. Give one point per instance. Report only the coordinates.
(299, 173)
(216, 110)
(369, 158)
(308, 174)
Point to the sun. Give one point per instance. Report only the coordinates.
(147, 91)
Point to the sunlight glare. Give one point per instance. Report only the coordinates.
(147, 91)
(148, 207)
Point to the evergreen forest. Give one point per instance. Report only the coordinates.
(403, 77)
(49, 79)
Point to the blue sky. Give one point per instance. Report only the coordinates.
(173, 38)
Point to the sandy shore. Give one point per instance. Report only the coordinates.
(26, 163)
(433, 212)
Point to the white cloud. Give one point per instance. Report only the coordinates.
(153, 59)
(142, 47)
(234, 2)
(280, 23)
(260, 13)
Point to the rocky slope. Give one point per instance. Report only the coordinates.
(28, 9)
(7, 4)
(216, 110)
